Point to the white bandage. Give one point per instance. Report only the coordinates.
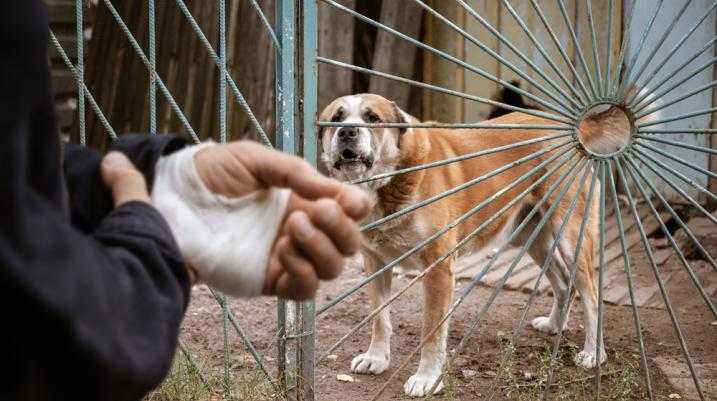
(226, 240)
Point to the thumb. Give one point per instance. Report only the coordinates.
(124, 180)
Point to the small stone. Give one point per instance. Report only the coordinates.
(527, 375)
(500, 333)
(269, 358)
(344, 378)
(674, 396)
(467, 373)
(714, 323)
(490, 373)
(332, 357)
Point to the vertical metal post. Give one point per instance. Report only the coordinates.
(296, 98)
(285, 127)
(309, 85)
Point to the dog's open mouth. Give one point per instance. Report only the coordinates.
(351, 160)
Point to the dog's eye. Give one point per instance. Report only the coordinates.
(372, 118)
(338, 116)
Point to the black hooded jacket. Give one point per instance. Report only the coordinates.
(91, 297)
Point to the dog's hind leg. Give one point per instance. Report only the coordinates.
(556, 272)
(378, 357)
(437, 297)
(584, 281)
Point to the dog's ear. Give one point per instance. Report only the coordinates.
(398, 116)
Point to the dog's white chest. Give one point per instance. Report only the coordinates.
(392, 243)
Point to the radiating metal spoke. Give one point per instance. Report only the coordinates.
(455, 249)
(680, 161)
(545, 55)
(630, 285)
(601, 273)
(614, 84)
(450, 58)
(524, 249)
(677, 174)
(585, 95)
(642, 95)
(543, 269)
(678, 99)
(660, 282)
(638, 154)
(450, 160)
(651, 98)
(674, 50)
(439, 233)
(440, 89)
(519, 53)
(507, 63)
(640, 46)
(596, 58)
(474, 282)
(448, 126)
(631, 81)
(677, 131)
(634, 172)
(570, 290)
(608, 63)
(465, 185)
(578, 49)
(679, 144)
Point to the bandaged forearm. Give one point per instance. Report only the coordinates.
(227, 241)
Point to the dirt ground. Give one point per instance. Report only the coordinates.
(477, 368)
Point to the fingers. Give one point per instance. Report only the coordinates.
(124, 180)
(314, 243)
(299, 280)
(279, 169)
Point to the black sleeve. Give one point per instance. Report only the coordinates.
(83, 316)
(89, 200)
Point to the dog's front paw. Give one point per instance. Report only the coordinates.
(544, 324)
(588, 360)
(370, 363)
(419, 385)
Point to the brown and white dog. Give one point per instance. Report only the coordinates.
(351, 153)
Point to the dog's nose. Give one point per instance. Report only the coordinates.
(348, 133)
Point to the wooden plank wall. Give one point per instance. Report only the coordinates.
(501, 19)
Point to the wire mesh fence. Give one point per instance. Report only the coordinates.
(569, 182)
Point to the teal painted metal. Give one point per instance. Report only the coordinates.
(289, 323)
(295, 40)
(309, 87)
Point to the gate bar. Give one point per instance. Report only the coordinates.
(660, 282)
(450, 58)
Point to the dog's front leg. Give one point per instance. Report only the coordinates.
(378, 357)
(437, 296)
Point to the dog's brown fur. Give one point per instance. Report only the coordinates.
(418, 146)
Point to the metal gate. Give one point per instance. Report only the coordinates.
(639, 74)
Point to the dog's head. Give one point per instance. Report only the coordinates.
(350, 153)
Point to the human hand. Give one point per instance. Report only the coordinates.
(123, 179)
(320, 226)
